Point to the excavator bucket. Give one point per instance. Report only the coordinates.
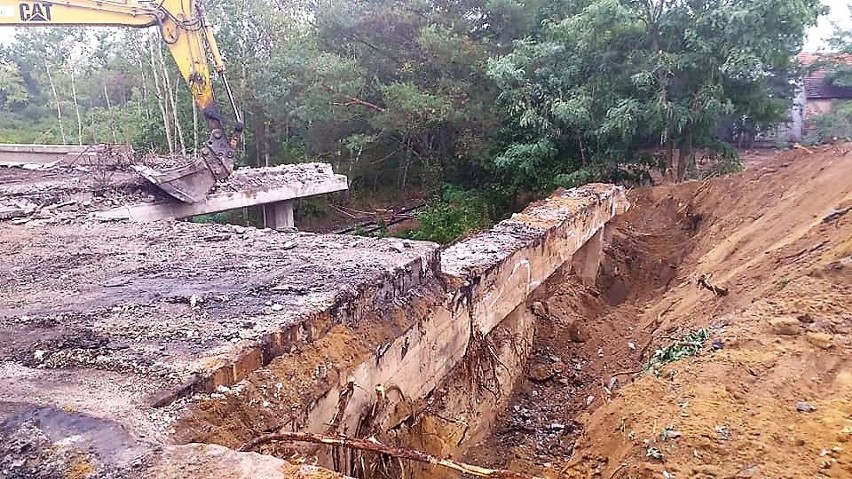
(189, 183)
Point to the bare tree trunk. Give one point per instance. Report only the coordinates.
(159, 93)
(56, 101)
(669, 173)
(266, 125)
(77, 107)
(143, 106)
(92, 124)
(404, 179)
(178, 127)
(685, 155)
(170, 94)
(110, 115)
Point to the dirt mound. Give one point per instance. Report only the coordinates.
(761, 387)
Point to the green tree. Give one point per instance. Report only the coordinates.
(13, 93)
(614, 79)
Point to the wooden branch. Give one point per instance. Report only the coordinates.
(351, 100)
(377, 447)
(704, 281)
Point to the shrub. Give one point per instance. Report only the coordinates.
(832, 126)
(457, 212)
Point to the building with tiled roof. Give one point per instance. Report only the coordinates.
(817, 94)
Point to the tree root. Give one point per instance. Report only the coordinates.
(377, 447)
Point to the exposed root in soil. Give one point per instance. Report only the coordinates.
(481, 362)
(374, 446)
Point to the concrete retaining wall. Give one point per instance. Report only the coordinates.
(488, 276)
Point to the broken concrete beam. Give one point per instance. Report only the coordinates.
(247, 187)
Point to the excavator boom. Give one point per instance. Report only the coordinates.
(185, 29)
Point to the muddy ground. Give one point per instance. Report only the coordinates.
(767, 394)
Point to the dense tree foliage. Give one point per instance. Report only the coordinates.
(504, 96)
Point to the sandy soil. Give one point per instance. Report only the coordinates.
(769, 394)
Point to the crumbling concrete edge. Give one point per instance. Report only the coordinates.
(499, 268)
(236, 363)
(487, 277)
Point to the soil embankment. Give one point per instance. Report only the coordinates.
(767, 394)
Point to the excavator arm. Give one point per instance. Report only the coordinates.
(184, 28)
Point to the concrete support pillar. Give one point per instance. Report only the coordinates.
(279, 215)
(587, 260)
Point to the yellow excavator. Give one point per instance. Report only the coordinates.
(185, 29)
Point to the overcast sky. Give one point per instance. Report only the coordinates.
(839, 14)
(816, 36)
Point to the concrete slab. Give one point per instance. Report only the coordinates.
(250, 187)
(115, 319)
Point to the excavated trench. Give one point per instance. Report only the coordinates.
(513, 397)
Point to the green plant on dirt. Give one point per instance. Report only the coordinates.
(688, 345)
(834, 125)
(669, 433)
(783, 282)
(312, 207)
(724, 160)
(456, 213)
(383, 228)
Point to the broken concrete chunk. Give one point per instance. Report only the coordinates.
(802, 406)
(820, 340)
(9, 212)
(785, 326)
(195, 300)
